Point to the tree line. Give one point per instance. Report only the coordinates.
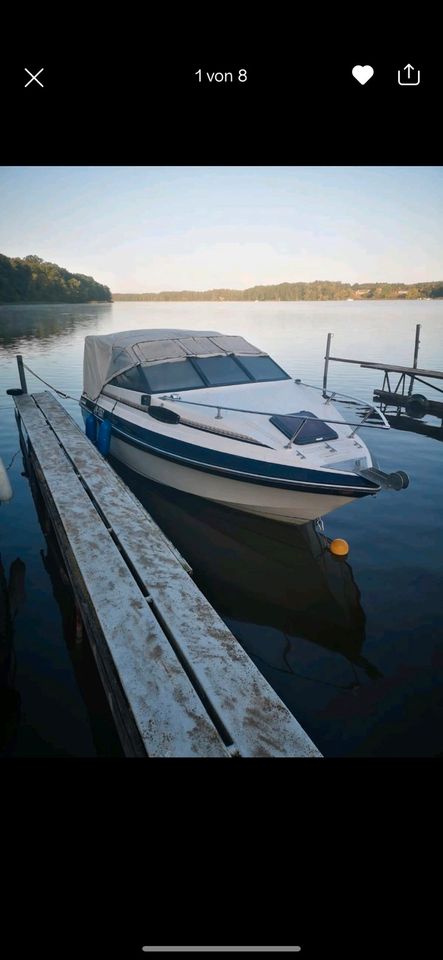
(33, 280)
(318, 290)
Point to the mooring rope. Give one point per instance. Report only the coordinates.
(60, 392)
(12, 461)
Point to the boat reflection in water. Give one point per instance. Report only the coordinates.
(273, 584)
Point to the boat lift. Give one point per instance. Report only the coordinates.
(400, 396)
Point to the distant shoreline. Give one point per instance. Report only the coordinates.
(55, 303)
(30, 280)
(134, 299)
(318, 290)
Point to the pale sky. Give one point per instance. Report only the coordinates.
(147, 229)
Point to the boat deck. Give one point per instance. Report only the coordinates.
(178, 682)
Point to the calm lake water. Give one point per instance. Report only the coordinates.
(354, 648)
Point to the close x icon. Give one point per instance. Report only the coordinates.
(34, 76)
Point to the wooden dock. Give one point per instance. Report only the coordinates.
(178, 682)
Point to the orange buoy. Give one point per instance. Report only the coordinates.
(340, 548)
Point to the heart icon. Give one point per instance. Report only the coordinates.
(362, 74)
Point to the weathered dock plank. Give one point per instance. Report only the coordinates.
(167, 712)
(250, 711)
(101, 477)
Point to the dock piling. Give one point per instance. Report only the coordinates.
(21, 373)
(325, 371)
(416, 346)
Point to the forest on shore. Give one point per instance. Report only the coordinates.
(318, 290)
(33, 280)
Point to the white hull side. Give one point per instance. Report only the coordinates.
(287, 506)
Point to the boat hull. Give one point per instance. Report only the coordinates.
(274, 503)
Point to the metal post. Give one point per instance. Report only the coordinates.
(366, 416)
(21, 373)
(417, 344)
(325, 371)
(296, 433)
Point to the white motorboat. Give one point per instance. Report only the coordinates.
(217, 417)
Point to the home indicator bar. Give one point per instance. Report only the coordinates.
(221, 949)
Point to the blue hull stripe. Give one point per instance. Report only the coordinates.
(229, 465)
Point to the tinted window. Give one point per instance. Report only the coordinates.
(133, 379)
(263, 368)
(219, 371)
(172, 376)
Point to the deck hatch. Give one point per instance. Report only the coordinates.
(313, 431)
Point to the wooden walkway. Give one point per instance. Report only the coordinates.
(178, 682)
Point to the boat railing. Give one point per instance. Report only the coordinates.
(367, 411)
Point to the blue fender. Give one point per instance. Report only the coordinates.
(104, 437)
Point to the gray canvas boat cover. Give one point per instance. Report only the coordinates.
(107, 355)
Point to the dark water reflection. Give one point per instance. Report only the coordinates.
(262, 572)
(38, 716)
(12, 595)
(46, 322)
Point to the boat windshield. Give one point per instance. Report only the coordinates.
(172, 376)
(157, 377)
(194, 373)
(263, 368)
(221, 371)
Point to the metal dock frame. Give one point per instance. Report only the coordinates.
(399, 395)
